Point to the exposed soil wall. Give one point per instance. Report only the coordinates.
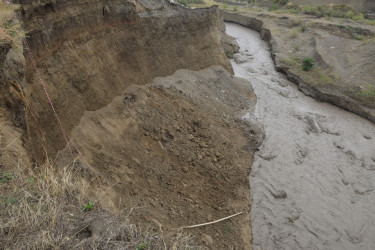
(177, 149)
(90, 51)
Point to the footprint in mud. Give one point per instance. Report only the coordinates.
(312, 123)
(302, 152)
(369, 163)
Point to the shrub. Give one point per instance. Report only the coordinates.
(294, 34)
(308, 63)
(274, 7)
(358, 37)
(187, 2)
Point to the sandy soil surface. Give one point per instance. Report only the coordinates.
(179, 150)
(312, 182)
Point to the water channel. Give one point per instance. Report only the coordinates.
(312, 182)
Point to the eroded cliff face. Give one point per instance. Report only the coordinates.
(88, 52)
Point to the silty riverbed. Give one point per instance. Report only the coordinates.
(312, 182)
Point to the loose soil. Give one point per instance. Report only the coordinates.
(179, 150)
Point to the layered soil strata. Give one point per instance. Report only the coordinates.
(90, 51)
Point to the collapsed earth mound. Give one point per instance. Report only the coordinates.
(179, 149)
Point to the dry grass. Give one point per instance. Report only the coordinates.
(41, 208)
(32, 205)
(10, 30)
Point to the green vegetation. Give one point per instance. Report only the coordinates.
(366, 93)
(303, 28)
(274, 7)
(326, 79)
(188, 2)
(281, 2)
(235, 8)
(289, 62)
(142, 246)
(358, 37)
(296, 48)
(89, 206)
(308, 63)
(229, 55)
(6, 177)
(294, 34)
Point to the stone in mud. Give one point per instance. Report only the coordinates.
(363, 185)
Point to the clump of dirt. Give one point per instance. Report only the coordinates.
(179, 150)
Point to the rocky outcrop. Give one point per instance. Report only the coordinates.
(90, 51)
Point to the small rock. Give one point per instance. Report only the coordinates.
(279, 194)
(207, 239)
(366, 136)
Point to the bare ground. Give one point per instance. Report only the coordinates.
(178, 149)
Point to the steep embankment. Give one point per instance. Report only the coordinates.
(90, 51)
(343, 74)
(173, 153)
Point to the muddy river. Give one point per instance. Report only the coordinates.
(312, 182)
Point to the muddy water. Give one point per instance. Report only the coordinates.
(312, 182)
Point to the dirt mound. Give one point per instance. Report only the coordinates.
(179, 149)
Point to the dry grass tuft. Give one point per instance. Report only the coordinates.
(41, 208)
(32, 205)
(10, 29)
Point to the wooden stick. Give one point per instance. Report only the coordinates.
(209, 223)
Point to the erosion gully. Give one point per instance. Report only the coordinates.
(312, 181)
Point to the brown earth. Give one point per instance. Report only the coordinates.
(90, 51)
(174, 153)
(342, 49)
(179, 150)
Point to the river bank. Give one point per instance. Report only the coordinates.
(343, 73)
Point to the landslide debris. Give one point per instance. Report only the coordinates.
(179, 150)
